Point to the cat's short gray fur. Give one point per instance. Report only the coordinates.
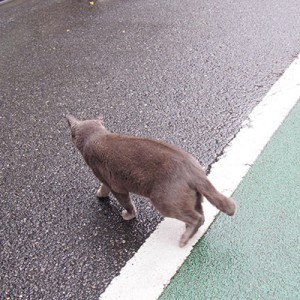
(172, 178)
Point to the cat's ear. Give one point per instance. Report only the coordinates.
(71, 120)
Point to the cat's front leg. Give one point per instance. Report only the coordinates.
(103, 191)
(130, 211)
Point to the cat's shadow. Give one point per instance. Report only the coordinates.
(108, 225)
(109, 208)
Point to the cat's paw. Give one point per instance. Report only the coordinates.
(127, 216)
(183, 241)
(103, 192)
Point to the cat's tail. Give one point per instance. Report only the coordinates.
(225, 204)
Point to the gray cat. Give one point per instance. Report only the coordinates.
(172, 178)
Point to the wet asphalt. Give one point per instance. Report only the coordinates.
(185, 72)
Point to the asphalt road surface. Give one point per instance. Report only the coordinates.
(188, 72)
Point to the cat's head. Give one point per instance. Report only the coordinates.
(80, 130)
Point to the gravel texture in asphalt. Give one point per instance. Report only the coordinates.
(185, 72)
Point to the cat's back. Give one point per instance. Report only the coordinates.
(146, 154)
(140, 146)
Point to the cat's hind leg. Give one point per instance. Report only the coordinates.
(193, 220)
(130, 211)
(182, 203)
(103, 191)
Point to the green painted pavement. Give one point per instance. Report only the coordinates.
(256, 254)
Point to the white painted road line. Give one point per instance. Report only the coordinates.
(147, 273)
